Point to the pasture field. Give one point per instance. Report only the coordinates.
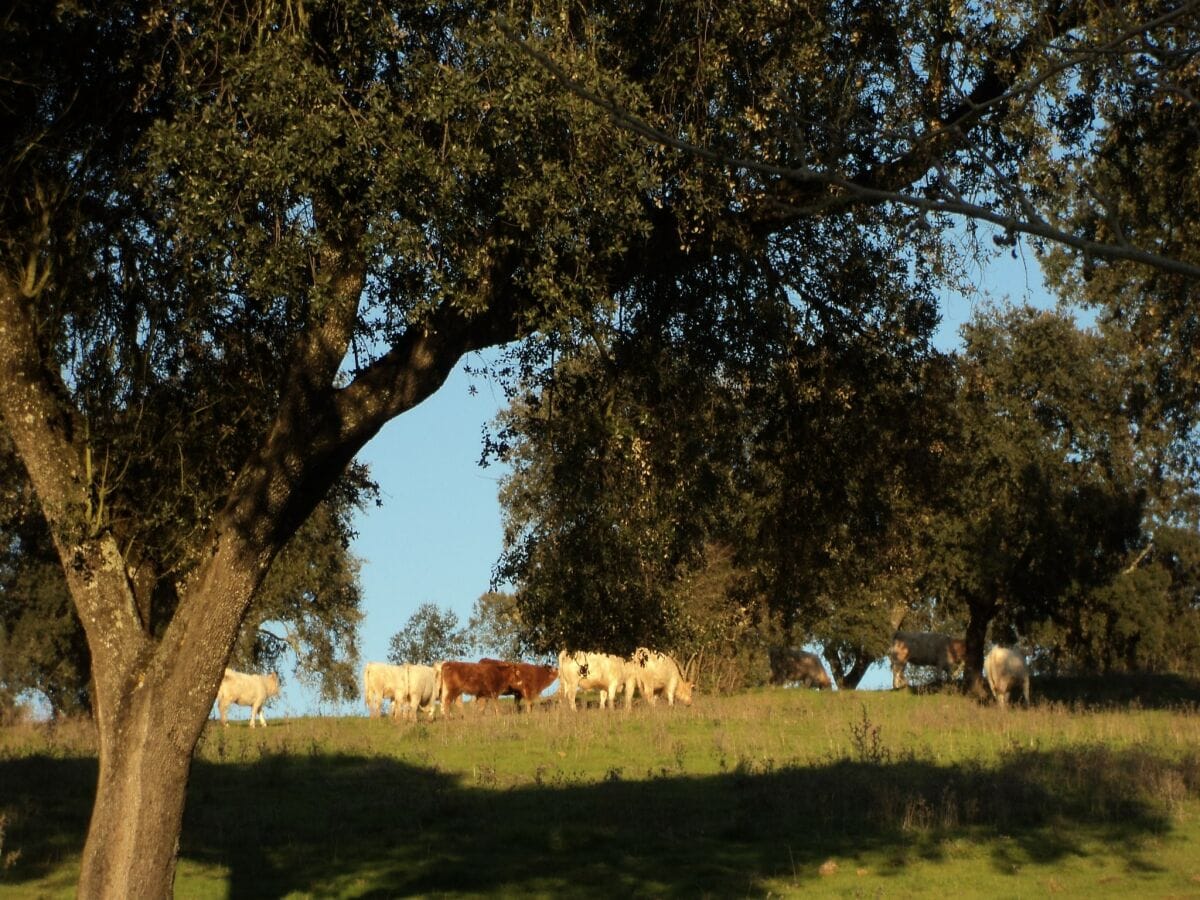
(771, 793)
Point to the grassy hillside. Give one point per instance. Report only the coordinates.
(778, 792)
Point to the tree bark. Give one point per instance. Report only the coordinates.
(857, 671)
(145, 758)
(848, 679)
(982, 611)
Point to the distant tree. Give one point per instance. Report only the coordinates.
(306, 615)
(640, 449)
(430, 635)
(42, 644)
(725, 628)
(495, 628)
(1042, 498)
(1147, 619)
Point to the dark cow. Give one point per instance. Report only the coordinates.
(793, 664)
(485, 680)
(533, 680)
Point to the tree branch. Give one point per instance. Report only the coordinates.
(845, 190)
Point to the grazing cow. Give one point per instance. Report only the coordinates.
(592, 671)
(794, 664)
(246, 690)
(381, 681)
(410, 685)
(1005, 670)
(923, 648)
(483, 681)
(656, 672)
(534, 679)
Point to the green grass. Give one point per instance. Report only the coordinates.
(768, 793)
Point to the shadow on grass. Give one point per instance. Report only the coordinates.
(1120, 691)
(375, 826)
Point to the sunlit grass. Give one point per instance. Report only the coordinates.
(781, 792)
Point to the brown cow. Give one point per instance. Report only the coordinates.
(482, 680)
(534, 679)
(794, 664)
(924, 648)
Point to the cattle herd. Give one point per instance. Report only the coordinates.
(415, 687)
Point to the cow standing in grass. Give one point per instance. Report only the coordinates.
(793, 664)
(533, 679)
(380, 682)
(246, 690)
(482, 680)
(658, 673)
(1006, 671)
(410, 685)
(924, 648)
(596, 671)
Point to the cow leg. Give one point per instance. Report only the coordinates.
(224, 708)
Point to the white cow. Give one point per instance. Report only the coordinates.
(1005, 670)
(591, 671)
(246, 690)
(924, 648)
(656, 672)
(410, 685)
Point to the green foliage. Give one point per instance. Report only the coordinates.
(430, 635)
(641, 447)
(1145, 620)
(1050, 494)
(314, 595)
(236, 240)
(496, 628)
(42, 645)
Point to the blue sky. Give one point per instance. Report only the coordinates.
(438, 533)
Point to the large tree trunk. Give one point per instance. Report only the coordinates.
(145, 758)
(153, 698)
